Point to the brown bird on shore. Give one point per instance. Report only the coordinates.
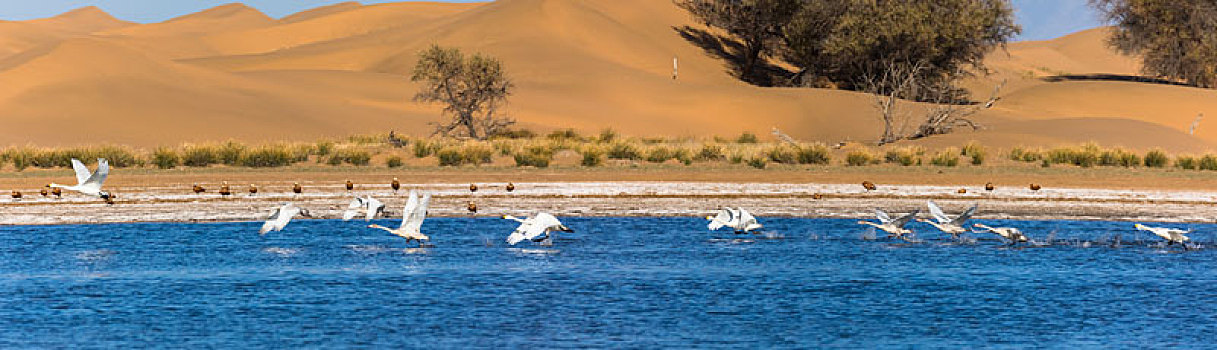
(989, 187)
(198, 189)
(110, 199)
(253, 190)
(868, 186)
(396, 185)
(473, 187)
(16, 195)
(57, 192)
(296, 188)
(44, 192)
(350, 186)
(962, 191)
(1035, 187)
(511, 187)
(224, 190)
(817, 196)
(472, 207)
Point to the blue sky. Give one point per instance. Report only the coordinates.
(1041, 19)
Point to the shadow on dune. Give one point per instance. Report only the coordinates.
(731, 51)
(1113, 77)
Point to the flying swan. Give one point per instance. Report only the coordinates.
(1013, 235)
(739, 219)
(370, 206)
(411, 219)
(534, 228)
(894, 228)
(88, 183)
(947, 224)
(281, 217)
(1171, 235)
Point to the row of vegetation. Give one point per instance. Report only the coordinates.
(528, 149)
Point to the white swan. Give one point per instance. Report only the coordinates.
(945, 223)
(368, 205)
(739, 219)
(89, 183)
(1013, 235)
(1171, 235)
(411, 219)
(894, 228)
(281, 217)
(534, 228)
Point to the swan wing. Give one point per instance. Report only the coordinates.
(904, 220)
(99, 177)
(272, 222)
(937, 212)
(415, 223)
(717, 222)
(747, 221)
(352, 209)
(411, 204)
(883, 217)
(967, 214)
(82, 172)
(374, 207)
(531, 228)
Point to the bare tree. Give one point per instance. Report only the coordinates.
(947, 111)
(473, 89)
(896, 80)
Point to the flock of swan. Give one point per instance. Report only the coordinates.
(541, 227)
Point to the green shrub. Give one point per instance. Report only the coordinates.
(266, 157)
(860, 158)
(622, 150)
(747, 137)
(782, 154)
(1208, 162)
(166, 158)
(814, 154)
(659, 154)
(607, 135)
(477, 153)
(450, 156)
(568, 134)
(199, 156)
(736, 158)
(948, 157)
(21, 157)
(904, 156)
(535, 156)
(1024, 155)
(504, 147)
(394, 162)
(592, 156)
(1187, 163)
(514, 134)
(758, 162)
(324, 148)
(976, 152)
(230, 152)
(425, 148)
(711, 152)
(1156, 159)
(683, 155)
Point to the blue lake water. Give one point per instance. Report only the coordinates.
(617, 282)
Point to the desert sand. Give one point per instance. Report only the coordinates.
(232, 72)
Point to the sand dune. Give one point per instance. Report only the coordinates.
(233, 72)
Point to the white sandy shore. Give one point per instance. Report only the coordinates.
(178, 204)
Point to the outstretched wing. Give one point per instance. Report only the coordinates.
(99, 177)
(937, 213)
(967, 214)
(352, 209)
(82, 172)
(411, 204)
(904, 220)
(883, 218)
(530, 229)
(271, 221)
(415, 224)
(374, 207)
(724, 216)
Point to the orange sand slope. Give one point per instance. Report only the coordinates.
(233, 72)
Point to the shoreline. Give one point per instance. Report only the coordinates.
(629, 199)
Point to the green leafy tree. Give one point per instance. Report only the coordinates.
(757, 24)
(1175, 38)
(472, 88)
